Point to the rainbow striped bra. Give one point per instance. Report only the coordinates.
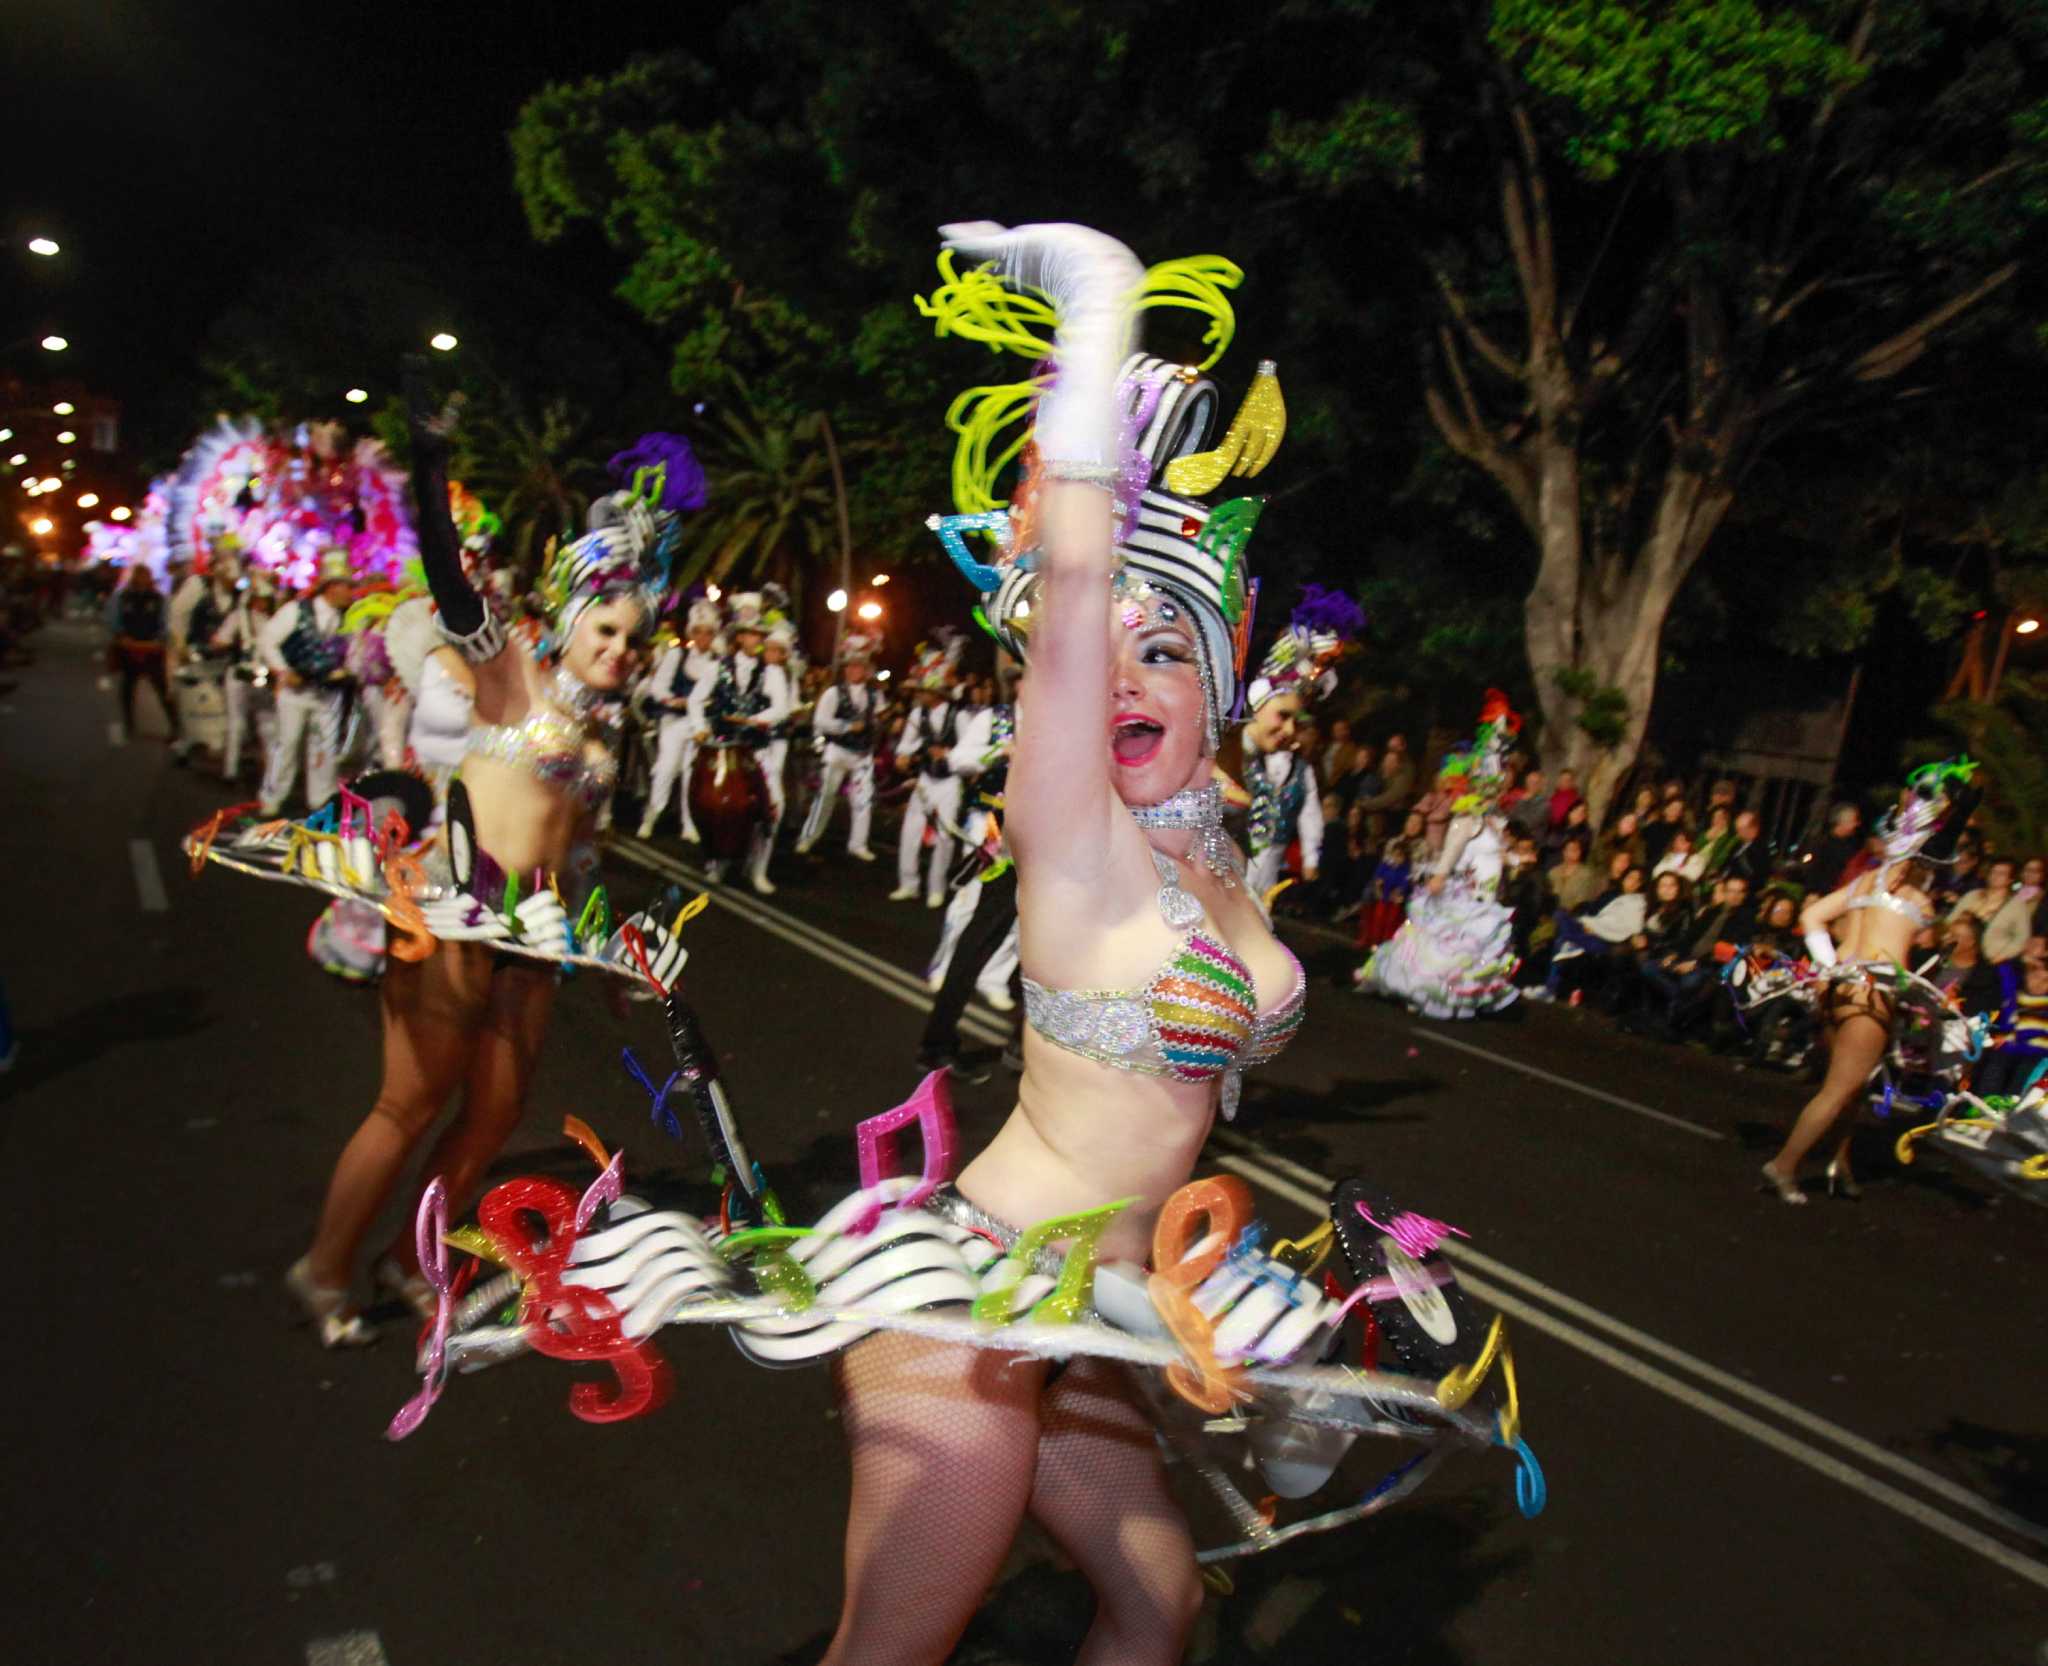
(1197, 1019)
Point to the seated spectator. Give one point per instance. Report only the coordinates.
(1680, 988)
(2004, 913)
(1667, 930)
(1572, 882)
(1623, 838)
(1681, 858)
(1340, 756)
(1669, 821)
(2032, 892)
(1530, 813)
(2019, 1039)
(1386, 897)
(1715, 840)
(1588, 940)
(1562, 797)
(1749, 856)
(1644, 806)
(1963, 971)
(1397, 783)
(1578, 824)
(1525, 892)
(1842, 844)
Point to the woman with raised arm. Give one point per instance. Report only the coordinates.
(537, 767)
(1150, 980)
(1860, 936)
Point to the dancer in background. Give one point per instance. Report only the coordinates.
(1454, 956)
(680, 671)
(847, 724)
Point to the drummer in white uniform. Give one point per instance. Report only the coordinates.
(683, 669)
(847, 723)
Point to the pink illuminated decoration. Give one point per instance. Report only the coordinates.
(430, 1228)
(931, 1108)
(1417, 1235)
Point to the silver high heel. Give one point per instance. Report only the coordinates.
(1841, 1177)
(339, 1324)
(1784, 1185)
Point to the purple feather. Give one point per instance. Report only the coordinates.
(1324, 610)
(682, 486)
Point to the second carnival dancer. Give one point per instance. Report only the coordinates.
(305, 651)
(746, 704)
(1287, 800)
(847, 724)
(683, 668)
(1130, 899)
(1454, 956)
(927, 748)
(1859, 938)
(538, 765)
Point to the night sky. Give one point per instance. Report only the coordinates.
(174, 147)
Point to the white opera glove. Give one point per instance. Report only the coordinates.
(1820, 946)
(1092, 281)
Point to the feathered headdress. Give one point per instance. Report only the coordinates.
(1169, 543)
(1939, 800)
(630, 547)
(1477, 774)
(1323, 628)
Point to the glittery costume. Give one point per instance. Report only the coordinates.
(1454, 956)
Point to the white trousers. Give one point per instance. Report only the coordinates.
(675, 751)
(934, 802)
(771, 758)
(390, 720)
(856, 772)
(310, 722)
(246, 703)
(1263, 871)
(994, 978)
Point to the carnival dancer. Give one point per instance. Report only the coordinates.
(744, 705)
(304, 649)
(537, 768)
(248, 689)
(847, 723)
(1300, 668)
(1877, 915)
(678, 673)
(1454, 955)
(931, 734)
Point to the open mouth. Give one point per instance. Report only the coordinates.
(1136, 740)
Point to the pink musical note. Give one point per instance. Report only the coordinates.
(931, 1108)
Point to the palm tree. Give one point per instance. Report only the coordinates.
(772, 501)
(531, 471)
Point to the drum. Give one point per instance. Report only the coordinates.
(202, 705)
(728, 798)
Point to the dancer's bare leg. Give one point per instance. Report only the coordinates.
(944, 1442)
(1855, 1045)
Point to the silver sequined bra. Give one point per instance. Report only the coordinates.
(553, 748)
(1892, 903)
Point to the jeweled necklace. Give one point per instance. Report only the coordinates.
(573, 694)
(1199, 810)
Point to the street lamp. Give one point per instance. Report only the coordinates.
(54, 344)
(88, 500)
(836, 602)
(356, 396)
(63, 407)
(869, 610)
(18, 458)
(42, 526)
(442, 342)
(44, 246)
(122, 513)
(2026, 627)
(879, 580)
(6, 434)
(67, 438)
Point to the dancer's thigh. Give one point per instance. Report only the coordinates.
(434, 1012)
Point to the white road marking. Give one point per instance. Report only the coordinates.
(149, 878)
(1293, 1181)
(116, 735)
(1697, 1128)
(106, 683)
(351, 1648)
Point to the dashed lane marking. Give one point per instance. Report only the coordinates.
(149, 878)
(1698, 1129)
(351, 1648)
(116, 735)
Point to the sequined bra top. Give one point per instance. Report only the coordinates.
(1892, 903)
(554, 748)
(1196, 1020)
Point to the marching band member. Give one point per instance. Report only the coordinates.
(302, 646)
(847, 723)
(250, 690)
(745, 703)
(927, 747)
(683, 669)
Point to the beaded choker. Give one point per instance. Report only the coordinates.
(1200, 810)
(573, 694)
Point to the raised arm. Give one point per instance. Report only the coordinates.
(1061, 795)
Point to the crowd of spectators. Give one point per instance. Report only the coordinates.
(1640, 915)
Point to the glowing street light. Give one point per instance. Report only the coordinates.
(63, 407)
(881, 676)
(88, 500)
(356, 396)
(869, 610)
(44, 246)
(442, 342)
(6, 434)
(712, 592)
(42, 526)
(879, 580)
(51, 482)
(836, 602)
(2026, 627)
(67, 438)
(54, 344)
(18, 458)
(122, 513)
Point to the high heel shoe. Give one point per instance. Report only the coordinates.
(410, 1288)
(339, 1324)
(1842, 1178)
(1784, 1185)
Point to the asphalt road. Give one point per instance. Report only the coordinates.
(1770, 1434)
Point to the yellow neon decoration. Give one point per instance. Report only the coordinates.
(1248, 445)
